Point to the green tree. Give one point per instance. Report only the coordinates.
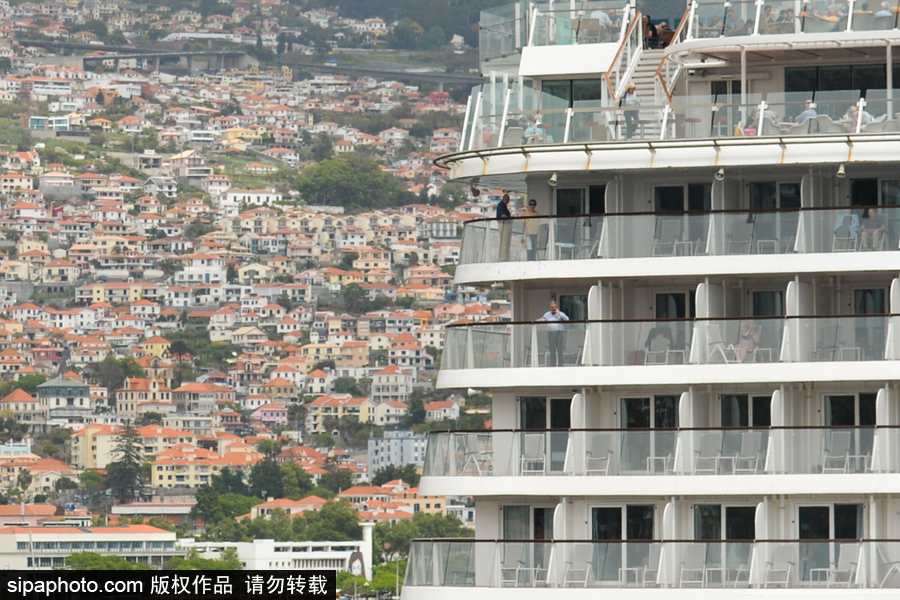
(98, 28)
(265, 480)
(112, 372)
(336, 520)
(206, 505)
(229, 561)
(124, 476)
(269, 448)
(351, 180)
(29, 383)
(91, 561)
(230, 482)
(391, 472)
(322, 147)
(296, 482)
(354, 298)
(415, 411)
(347, 385)
(337, 481)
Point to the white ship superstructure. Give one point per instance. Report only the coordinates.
(720, 415)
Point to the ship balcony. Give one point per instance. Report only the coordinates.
(712, 239)
(730, 567)
(496, 455)
(676, 351)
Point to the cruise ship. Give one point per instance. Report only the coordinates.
(718, 417)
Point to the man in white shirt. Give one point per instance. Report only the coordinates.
(556, 334)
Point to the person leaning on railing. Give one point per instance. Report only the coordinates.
(503, 215)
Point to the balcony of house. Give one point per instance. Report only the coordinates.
(617, 462)
(679, 239)
(711, 350)
(729, 567)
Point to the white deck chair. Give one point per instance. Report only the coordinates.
(837, 456)
(780, 568)
(717, 347)
(747, 460)
(580, 567)
(708, 456)
(693, 566)
(599, 455)
(533, 460)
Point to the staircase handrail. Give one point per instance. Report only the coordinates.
(633, 42)
(666, 81)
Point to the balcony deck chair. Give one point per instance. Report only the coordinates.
(737, 562)
(580, 567)
(804, 128)
(513, 136)
(842, 573)
(599, 455)
(512, 566)
(658, 346)
(766, 234)
(780, 568)
(887, 560)
(710, 453)
(747, 460)
(740, 240)
(844, 240)
(533, 460)
(891, 125)
(693, 566)
(837, 456)
(717, 346)
(475, 456)
(669, 232)
(650, 573)
(588, 31)
(826, 125)
(769, 126)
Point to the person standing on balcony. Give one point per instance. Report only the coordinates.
(556, 334)
(651, 35)
(532, 228)
(631, 115)
(504, 216)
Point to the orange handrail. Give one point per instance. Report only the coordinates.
(637, 19)
(675, 37)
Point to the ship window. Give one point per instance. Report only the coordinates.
(835, 78)
(618, 523)
(744, 410)
(579, 201)
(826, 522)
(736, 522)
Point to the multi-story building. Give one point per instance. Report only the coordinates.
(47, 547)
(398, 448)
(719, 411)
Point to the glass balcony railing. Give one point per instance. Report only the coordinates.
(820, 563)
(730, 18)
(563, 25)
(529, 116)
(670, 342)
(650, 235)
(630, 452)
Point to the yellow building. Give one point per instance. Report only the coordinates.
(157, 346)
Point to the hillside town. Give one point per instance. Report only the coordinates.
(203, 325)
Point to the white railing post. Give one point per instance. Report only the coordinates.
(534, 16)
(569, 113)
(690, 27)
(859, 115)
(850, 10)
(505, 116)
(759, 5)
(761, 116)
(466, 120)
(475, 120)
(665, 123)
